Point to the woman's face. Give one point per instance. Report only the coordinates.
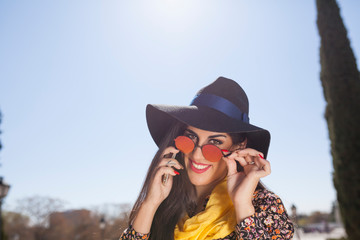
(201, 171)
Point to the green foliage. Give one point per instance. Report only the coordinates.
(341, 85)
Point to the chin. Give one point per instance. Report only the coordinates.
(198, 180)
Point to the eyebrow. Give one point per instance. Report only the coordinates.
(212, 136)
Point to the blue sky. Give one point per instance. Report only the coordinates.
(75, 78)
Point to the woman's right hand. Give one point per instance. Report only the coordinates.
(159, 190)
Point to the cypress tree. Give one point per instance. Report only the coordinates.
(0, 132)
(1, 220)
(341, 86)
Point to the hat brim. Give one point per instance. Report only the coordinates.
(161, 117)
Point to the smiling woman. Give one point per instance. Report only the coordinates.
(211, 189)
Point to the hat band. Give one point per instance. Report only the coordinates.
(220, 104)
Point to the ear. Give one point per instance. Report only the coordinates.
(241, 145)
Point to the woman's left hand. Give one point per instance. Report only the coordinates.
(241, 185)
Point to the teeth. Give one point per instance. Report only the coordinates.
(199, 166)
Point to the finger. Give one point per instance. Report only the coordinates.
(165, 178)
(166, 170)
(171, 162)
(242, 161)
(249, 151)
(249, 160)
(169, 150)
(231, 164)
(232, 155)
(165, 173)
(265, 165)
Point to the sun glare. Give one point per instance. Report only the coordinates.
(174, 13)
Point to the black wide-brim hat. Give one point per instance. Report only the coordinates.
(221, 106)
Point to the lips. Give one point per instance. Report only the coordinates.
(198, 167)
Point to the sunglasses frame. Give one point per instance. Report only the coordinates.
(196, 145)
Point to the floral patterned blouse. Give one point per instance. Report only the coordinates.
(270, 221)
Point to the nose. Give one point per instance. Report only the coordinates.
(197, 153)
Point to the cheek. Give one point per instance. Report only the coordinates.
(220, 166)
(186, 161)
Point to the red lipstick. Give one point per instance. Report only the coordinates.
(196, 170)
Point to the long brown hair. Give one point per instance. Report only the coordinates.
(182, 197)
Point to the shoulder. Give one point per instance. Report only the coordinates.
(266, 200)
(130, 233)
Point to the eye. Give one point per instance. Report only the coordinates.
(191, 136)
(215, 142)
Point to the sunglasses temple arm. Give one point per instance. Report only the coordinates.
(226, 153)
(229, 153)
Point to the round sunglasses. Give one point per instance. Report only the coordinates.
(211, 152)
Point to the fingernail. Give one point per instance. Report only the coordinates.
(226, 152)
(177, 173)
(261, 156)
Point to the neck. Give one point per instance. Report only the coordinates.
(203, 191)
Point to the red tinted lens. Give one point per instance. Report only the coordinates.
(211, 153)
(184, 144)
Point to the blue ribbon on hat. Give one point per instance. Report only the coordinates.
(220, 104)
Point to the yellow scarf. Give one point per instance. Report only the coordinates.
(217, 220)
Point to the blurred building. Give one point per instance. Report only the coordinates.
(72, 217)
(74, 224)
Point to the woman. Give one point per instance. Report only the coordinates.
(211, 189)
